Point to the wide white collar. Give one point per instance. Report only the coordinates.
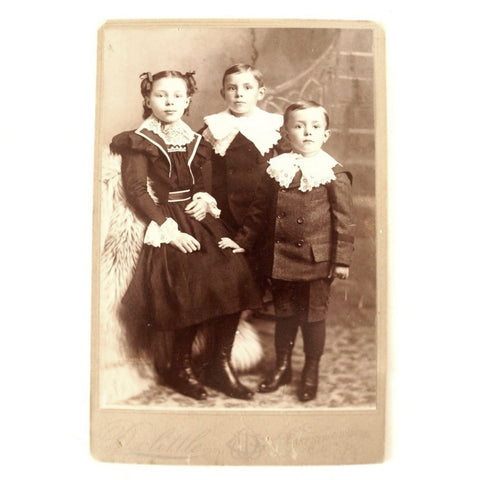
(178, 133)
(262, 128)
(316, 170)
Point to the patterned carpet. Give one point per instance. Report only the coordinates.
(347, 375)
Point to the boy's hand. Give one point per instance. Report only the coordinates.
(185, 243)
(339, 271)
(226, 242)
(197, 209)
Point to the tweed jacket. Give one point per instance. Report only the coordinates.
(306, 232)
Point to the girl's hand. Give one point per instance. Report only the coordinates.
(340, 271)
(226, 242)
(185, 243)
(197, 209)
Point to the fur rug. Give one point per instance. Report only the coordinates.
(126, 350)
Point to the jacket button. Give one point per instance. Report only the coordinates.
(300, 243)
(300, 220)
(278, 241)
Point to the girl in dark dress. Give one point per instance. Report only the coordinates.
(182, 278)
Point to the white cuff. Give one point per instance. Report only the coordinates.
(212, 209)
(157, 234)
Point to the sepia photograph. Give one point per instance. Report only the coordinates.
(239, 308)
(236, 240)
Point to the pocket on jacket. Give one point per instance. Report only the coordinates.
(321, 252)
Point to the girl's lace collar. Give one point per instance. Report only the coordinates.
(262, 128)
(316, 170)
(178, 133)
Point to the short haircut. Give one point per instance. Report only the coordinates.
(303, 105)
(242, 68)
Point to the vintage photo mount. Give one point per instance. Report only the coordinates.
(203, 436)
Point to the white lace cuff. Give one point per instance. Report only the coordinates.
(212, 209)
(157, 234)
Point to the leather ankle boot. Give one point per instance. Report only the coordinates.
(222, 377)
(220, 373)
(285, 333)
(181, 377)
(309, 381)
(282, 375)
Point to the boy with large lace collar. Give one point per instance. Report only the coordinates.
(304, 205)
(244, 137)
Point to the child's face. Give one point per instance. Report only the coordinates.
(168, 99)
(306, 131)
(242, 92)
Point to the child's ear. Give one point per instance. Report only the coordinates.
(187, 102)
(147, 102)
(261, 93)
(327, 135)
(222, 93)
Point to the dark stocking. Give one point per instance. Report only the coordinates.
(313, 345)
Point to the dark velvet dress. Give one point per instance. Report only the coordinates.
(171, 289)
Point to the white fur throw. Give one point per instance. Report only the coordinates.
(125, 368)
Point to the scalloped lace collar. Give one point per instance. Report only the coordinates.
(177, 134)
(316, 170)
(261, 127)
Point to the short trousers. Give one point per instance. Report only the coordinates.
(307, 301)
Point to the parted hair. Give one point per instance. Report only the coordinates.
(242, 68)
(148, 80)
(303, 105)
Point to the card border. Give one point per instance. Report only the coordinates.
(315, 437)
